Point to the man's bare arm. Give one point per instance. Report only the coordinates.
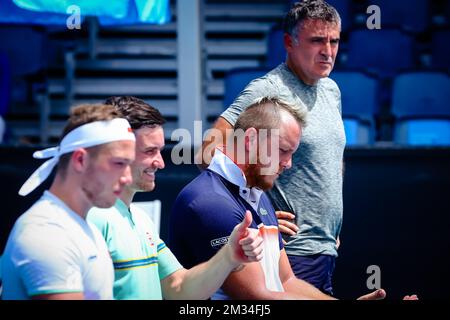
(205, 153)
(60, 296)
(249, 283)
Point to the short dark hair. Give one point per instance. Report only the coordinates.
(309, 9)
(138, 113)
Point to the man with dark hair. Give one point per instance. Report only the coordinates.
(144, 266)
(309, 196)
(212, 204)
(52, 251)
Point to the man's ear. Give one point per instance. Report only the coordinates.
(79, 159)
(251, 145)
(288, 42)
(251, 139)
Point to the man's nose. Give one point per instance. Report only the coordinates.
(159, 161)
(326, 49)
(126, 178)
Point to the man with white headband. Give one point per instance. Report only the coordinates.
(52, 251)
(144, 266)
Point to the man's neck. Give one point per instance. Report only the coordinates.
(300, 76)
(127, 196)
(75, 200)
(243, 167)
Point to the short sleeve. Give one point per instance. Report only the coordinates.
(47, 266)
(167, 262)
(255, 89)
(200, 229)
(331, 87)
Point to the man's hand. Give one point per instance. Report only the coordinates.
(412, 297)
(286, 223)
(380, 294)
(245, 243)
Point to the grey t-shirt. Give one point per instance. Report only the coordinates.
(312, 188)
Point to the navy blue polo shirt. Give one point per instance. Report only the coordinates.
(207, 210)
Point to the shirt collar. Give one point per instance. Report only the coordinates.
(227, 169)
(122, 207)
(124, 210)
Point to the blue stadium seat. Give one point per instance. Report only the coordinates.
(276, 53)
(440, 49)
(1, 279)
(356, 133)
(5, 92)
(412, 15)
(237, 79)
(384, 52)
(421, 104)
(5, 83)
(343, 7)
(423, 132)
(21, 61)
(359, 105)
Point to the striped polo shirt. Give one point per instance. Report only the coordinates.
(141, 259)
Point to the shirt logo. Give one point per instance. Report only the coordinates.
(219, 242)
(149, 237)
(263, 211)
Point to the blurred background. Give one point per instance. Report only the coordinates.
(191, 58)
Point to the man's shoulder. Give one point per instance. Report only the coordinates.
(102, 217)
(206, 191)
(329, 84)
(34, 231)
(42, 215)
(206, 182)
(267, 81)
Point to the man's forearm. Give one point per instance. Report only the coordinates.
(216, 136)
(203, 280)
(203, 159)
(303, 290)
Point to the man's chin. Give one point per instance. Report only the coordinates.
(105, 204)
(265, 185)
(145, 187)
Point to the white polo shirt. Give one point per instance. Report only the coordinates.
(51, 249)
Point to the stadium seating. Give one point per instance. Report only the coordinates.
(237, 79)
(412, 15)
(421, 105)
(359, 105)
(384, 52)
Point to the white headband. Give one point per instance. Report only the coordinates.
(85, 136)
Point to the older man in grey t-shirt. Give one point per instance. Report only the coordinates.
(311, 192)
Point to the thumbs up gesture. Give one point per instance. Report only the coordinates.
(246, 244)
